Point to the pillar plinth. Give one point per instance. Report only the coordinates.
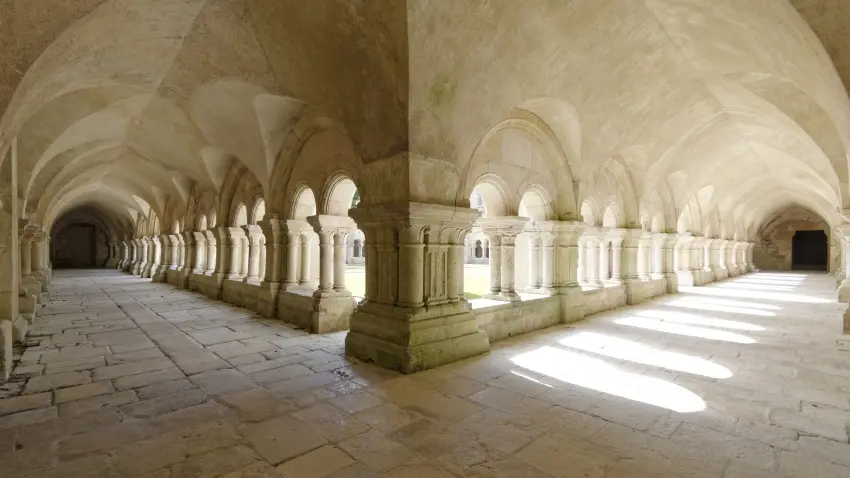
(409, 319)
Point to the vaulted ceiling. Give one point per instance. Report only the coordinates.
(735, 108)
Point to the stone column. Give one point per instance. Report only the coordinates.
(339, 260)
(504, 230)
(657, 241)
(306, 254)
(750, 264)
(533, 262)
(495, 263)
(617, 259)
(592, 246)
(604, 256)
(210, 256)
(581, 271)
(293, 260)
(254, 234)
(179, 252)
(137, 256)
(547, 262)
(261, 273)
(332, 302)
(162, 258)
(228, 259)
(411, 323)
(685, 268)
(564, 237)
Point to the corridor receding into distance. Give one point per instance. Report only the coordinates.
(424, 238)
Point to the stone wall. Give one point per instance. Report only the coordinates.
(775, 249)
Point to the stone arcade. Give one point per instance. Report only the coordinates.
(424, 238)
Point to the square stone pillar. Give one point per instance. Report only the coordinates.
(504, 230)
(275, 233)
(844, 287)
(10, 268)
(413, 316)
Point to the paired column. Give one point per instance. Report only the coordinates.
(210, 257)
(502, 232)
(254, 234)
(332, 232)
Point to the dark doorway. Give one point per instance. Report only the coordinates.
(74, 247)
(809, 251)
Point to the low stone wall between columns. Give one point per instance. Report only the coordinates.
(241, 293)
(296, 308)
(207, 285)
(174, 277)
(516, 318)
(602, 299)
(642, 290)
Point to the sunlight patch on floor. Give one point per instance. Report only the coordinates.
(681, 329)
(596, 374)
(638, 353)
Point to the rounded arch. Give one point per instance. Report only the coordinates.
(240, 216)
(258, 212)
(493, 192)
(524, 151)
(303, 203)
(536, 205)
(338, 195)
(588, 212)
(611, 216)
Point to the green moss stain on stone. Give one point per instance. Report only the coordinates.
(441, 91)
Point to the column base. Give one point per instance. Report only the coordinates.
(672, 282)
(572, 304)
(846, 327)
(331, 311)
(409, 340)
(159, 273)
(844, 292)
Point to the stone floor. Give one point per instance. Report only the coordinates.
(127, 378)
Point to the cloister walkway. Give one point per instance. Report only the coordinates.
(124, 377)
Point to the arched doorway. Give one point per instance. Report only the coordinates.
(809, 251)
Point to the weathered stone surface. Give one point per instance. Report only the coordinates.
(44, 383)
(28, 418)
(87, 405)
(282, 438)
(83, 391)
(25, 402)
(144, 379)
(164, 404)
